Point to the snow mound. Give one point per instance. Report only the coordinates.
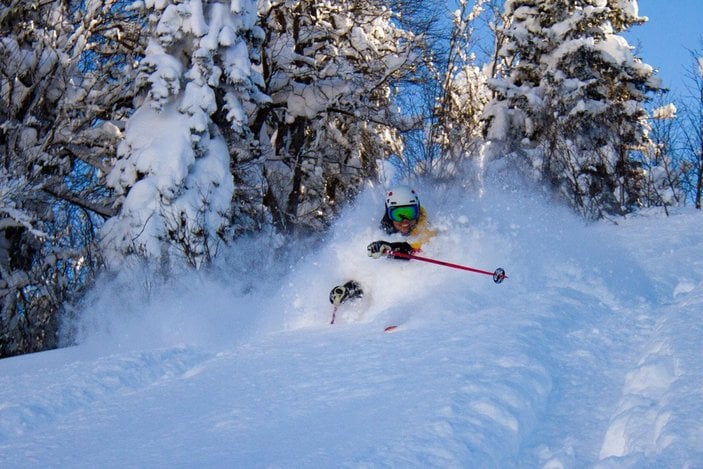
(588, 355)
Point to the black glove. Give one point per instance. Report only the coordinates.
(378, 249)
(382, 248)
(348, 291)
(402, 247)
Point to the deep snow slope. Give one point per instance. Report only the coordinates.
(587, 355)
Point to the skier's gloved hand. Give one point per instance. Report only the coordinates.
(384, 248)
(348, 291)
(403, 247)
(378, 249)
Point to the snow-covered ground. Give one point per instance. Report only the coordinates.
(588, 355)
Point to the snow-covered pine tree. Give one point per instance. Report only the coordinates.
(329, 67)
(173, 167)
(60, 110)
(570, 105)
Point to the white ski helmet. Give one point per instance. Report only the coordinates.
(401, 195)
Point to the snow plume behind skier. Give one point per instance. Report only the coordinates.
(403, 215)
(391, 286)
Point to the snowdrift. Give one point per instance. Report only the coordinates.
(588, 355)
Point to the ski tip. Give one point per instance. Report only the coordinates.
(390, 329)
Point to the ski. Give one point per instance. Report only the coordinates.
(390, 329)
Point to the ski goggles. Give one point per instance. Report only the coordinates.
(404, 212)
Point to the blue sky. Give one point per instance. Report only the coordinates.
(674, 27)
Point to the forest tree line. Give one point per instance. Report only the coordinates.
(162, 131)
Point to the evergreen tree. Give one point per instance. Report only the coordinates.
(173, 169)
(329, 67)
(64, 86)
(570, 101)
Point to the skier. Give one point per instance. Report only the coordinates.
(403, 215)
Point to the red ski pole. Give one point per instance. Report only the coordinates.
(498, 275)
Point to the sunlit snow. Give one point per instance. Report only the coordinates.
(588, 355)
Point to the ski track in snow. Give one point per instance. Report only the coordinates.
(659, 396)
(587, 356)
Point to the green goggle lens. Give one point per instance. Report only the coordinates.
(404, 212)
